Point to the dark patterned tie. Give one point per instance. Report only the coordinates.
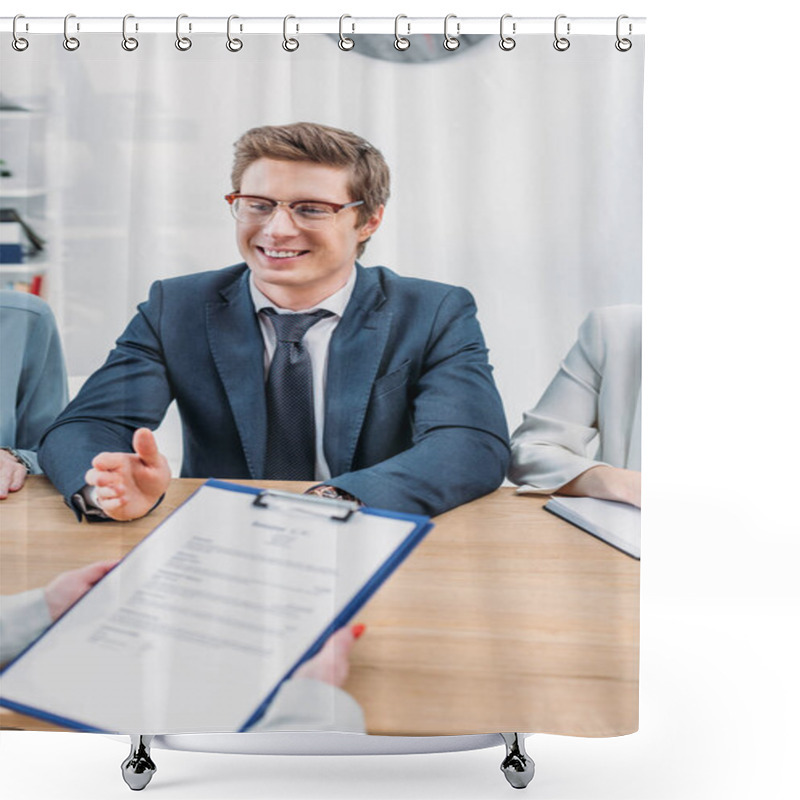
(291, 434)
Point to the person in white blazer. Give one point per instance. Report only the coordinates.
(583, 438)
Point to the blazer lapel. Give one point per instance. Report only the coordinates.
(354, 356)
(237, 348)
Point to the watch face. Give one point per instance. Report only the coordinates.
(423, 47)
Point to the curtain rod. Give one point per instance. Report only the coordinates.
(299, 25)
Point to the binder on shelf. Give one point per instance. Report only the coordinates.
(201, 623)
(11, 217)
(12, 239)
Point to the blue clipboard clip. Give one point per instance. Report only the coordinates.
(338, 510)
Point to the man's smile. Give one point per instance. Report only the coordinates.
(281, 253)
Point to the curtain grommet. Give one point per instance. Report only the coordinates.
(507, 43)
(71, 43)
(233, 44)
(129, 43)
(560, 43)
(623, 44)
(451, 42)
(345, 43)
(289, 44)
(401, 43)
(183, 43)
(19, 43)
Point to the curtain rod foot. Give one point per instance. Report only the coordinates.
(138, 768)
(517, 766)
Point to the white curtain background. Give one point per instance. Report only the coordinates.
(516, 174)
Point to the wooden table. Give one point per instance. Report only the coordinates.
(505, 618)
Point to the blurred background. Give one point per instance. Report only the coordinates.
(516, 174)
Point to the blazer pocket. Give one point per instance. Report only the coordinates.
(392, 380)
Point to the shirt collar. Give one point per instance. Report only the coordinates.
(336, 303)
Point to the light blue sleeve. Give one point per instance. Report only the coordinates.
(33, 373)
(23, 617)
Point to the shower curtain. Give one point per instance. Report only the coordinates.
(516, 173)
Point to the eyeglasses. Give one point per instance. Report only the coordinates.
(308, 214)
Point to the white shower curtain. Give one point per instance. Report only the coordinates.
(517, 175)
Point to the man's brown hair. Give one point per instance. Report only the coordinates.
(319, 144)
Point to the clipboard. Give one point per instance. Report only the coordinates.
(616, 524)
(197, 628)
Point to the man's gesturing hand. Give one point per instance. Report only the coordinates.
(130, 484)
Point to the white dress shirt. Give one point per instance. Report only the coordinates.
(317, 342)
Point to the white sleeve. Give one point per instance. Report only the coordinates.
(556, 439)
(590, 413)
(305, 704)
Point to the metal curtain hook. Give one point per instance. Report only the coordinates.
(129, 43)
(289, 44)
(561, 43)
(623, 45)
(344, 42)
(400, 42)
(507, 42)
(18, 42)
(70, 42)
(234, 45)
(182, 42)
(451, 42)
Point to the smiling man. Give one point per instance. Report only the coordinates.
(298, 364)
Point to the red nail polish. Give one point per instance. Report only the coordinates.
(358, 630)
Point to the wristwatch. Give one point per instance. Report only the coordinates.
(84, 504)
(332, 493)
(19, 457)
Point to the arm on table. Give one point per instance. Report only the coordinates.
(41, 393)
(460, 440)
(551, 448)
(607, 483)
(129, 392)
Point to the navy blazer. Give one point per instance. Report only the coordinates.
(413, 421)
